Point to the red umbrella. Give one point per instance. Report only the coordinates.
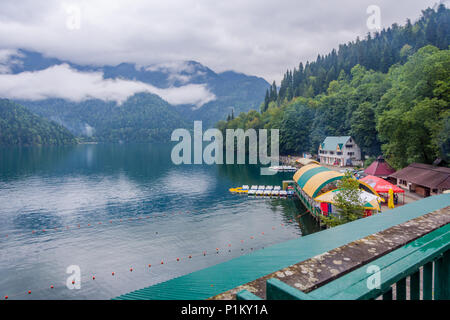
(381, 185)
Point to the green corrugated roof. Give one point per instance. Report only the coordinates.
(331, 143)
(222, 277)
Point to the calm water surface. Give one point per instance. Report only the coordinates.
(117, 207)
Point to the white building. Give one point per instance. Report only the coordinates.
(340, 151)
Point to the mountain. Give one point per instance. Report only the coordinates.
(18, 126)
(141, 118)
(176, 94)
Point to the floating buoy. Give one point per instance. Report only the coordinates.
(262, 233)
(29, 291)
(89, 224)
(251, 237)
(162, 262)
(149, 265)
(99, 223)
(131, 269)
(229, 245)
(204, 253)
(73, 282)
(6, 297)
(51, 287)
(43, 230)
(242, 241)
(93, 277)
(112, 273)
(178, 259)
(217, 249)
(190, 257)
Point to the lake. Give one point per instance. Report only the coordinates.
(120, 208)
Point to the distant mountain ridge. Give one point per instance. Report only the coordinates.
(223, 92)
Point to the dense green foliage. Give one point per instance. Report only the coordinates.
(348, 202)
(141, 118)
(377, 52)
(18, 126)
(403, 113)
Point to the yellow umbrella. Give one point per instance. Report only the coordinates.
(391, 199)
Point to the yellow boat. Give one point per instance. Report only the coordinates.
(238, 190)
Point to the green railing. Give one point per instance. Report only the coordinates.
(418, 270)
(313, 210)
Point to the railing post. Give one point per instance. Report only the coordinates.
(401, 289)
(442, 277)
(388, 295)
(278, 290)
(427, 281)
(246, 295)
(414, 286)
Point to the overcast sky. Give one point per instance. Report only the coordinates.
(256, 37)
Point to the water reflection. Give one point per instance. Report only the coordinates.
(189, 209)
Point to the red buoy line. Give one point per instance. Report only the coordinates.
(89, 225)
(150, 266)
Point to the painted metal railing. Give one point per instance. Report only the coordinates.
(417, 270)
(307, 202)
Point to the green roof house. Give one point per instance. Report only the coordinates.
(340, 151)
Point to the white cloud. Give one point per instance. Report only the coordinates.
(7, 59)
(256, 37)
(61, 81)
(177, 71)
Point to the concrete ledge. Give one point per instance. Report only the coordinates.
(321, 269)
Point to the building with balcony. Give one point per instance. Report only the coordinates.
(339, 151)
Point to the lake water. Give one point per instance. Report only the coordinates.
(117, 208)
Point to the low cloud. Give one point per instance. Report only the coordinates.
(177, 71)
(256, 37)
(61, 81)
(8, 58)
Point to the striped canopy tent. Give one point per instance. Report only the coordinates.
(313, 177)
(369, 200)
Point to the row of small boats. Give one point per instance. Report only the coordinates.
(283, 168)
(271, 193)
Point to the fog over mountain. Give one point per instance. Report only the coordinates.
(83, 97)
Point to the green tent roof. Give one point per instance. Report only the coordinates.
(331, 143)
